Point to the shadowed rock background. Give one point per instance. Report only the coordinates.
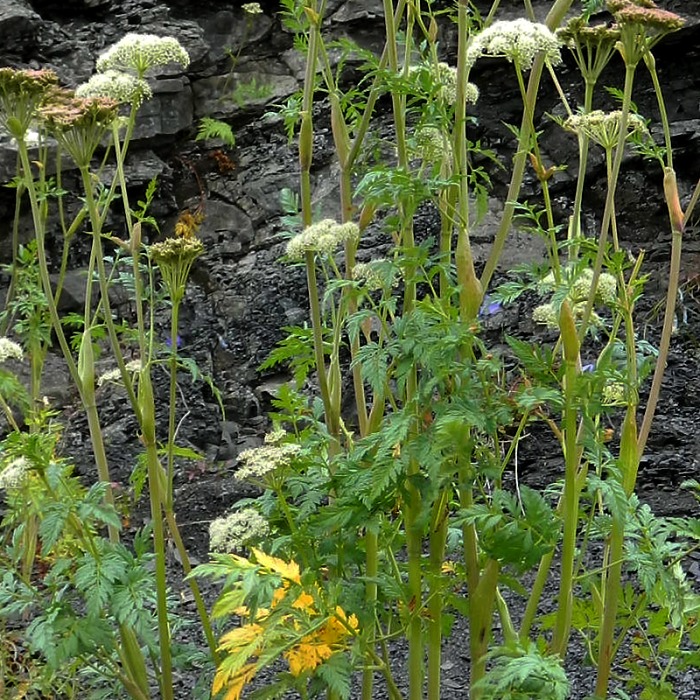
(241, 294)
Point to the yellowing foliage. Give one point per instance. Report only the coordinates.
(234, 683)
(305, 641)
(287, 570)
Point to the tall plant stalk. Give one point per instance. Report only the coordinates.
(554, 18)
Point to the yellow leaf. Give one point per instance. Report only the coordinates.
(304, 602)
(278, 596)
(234, 686)
(240, 637)
(351, 621)
(306, 657)
(448, 567)
(288, 570)
(260, 613)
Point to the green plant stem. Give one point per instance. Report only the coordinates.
(610, 197)
(372, 570)
(535, 596)
(481, 603)
(611, 594)
(8, 414)
(553, 20)
(172, 404)
(650, 63)
(629, 465)
(570, 498)
(412, 503)
(174, 531)
(10, 294)
(583, 144)
(678, 220)
(665, 341)
(120, 156)
(39, 231)
(691, 204)
(156, 486)
(438, 539)
(37, 354)
(470, 289)
(332, 420)
(305, 159)
(86, 395)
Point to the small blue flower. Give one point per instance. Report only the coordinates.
(589, 367)
(169, 343)
(490, 308)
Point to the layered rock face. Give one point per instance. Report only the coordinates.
(242, 66)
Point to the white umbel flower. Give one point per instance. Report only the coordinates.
(237, 530)
(251, 8)
(546, 315)
(124, 88)
(136, 53)
(9, 350)
(257, 462)
(374, 275)
(432, 144)
(14, 473)
(114, 376)
(518, 40)
(604, 127)
(323, 237)
(606, 291)
(614, 394)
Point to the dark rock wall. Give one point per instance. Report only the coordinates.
(242, 65)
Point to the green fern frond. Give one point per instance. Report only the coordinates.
(210, 128)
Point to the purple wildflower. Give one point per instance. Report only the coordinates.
(490, 308)
(169, 342)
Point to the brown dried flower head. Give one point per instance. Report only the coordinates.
(188, 224)
(69, 112)
(646, 14)
(21, 92)
(26, 82)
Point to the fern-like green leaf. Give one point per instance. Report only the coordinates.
(210, 128)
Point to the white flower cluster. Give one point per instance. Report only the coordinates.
(374, 275)
(614, 394)
(518, 40)
(579, 289)
(136, 53)
(114, 376)
(432, 144)
(14, 473)
(604, 127)
(257, 462)
(121, 87)
(471, 93)
(323, 237)
(446, 78)
(237, 530)
(443, 78)
(368, 275)
(9, 350)
(275, 437)
(606, 291)
(545, 315)
(251, 8)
